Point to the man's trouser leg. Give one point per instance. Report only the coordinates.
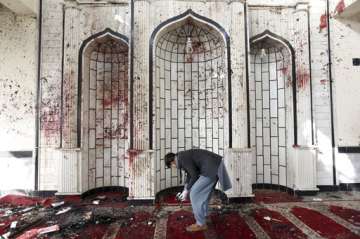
(199, 196)
(206, 205)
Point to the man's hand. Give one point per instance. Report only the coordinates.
(182, 196)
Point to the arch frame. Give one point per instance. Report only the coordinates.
(189, 14)
(83, 47)
(283, 41)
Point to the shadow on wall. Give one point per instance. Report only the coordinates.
(347, 168)
(324, 161)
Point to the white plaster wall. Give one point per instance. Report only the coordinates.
(17, 79)
(290, 23)
(321, 93)
(273, 2)
(16, 173)
(148, 15)
(229, 15)
(18, 39)
(345, 38)
(345, 47)
(50, 97)
(81, 21)
(87, 19)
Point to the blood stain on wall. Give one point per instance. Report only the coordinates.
(302, 77)
(323, 21)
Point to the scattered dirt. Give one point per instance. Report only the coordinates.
(276, 225)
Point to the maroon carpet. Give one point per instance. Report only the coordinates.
(139, 228)
(350, 215)
(323, 225)
(278, 227)
(176, 224)
(230, 226)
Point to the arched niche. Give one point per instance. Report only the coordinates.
(103, 110)
(273, 120)
(190, 90)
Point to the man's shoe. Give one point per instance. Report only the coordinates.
(196, 228)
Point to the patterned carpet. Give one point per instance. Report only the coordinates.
(327, 215)
(271, 214)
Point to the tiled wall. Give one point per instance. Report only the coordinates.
(290, 22)
(191, 87)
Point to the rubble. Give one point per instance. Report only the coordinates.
(40, 231)
(64, 210)
(48, 218)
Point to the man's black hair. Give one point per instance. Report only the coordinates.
(169, 158)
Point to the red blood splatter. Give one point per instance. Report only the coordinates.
(177, 223)
(138, 228)
(285, 70)
(50, 120)
(121, 130)
(340, 7)
(302, 77)
(109, 102)
(278, 227)
(350, 215)
(189, 59)
(323, 82)
(47, 202)
(132, 155)
(323, 21)
(231, 226)
(267, 196)
(323, 225)
(198, 47)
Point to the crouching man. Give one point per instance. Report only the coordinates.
(203, 169)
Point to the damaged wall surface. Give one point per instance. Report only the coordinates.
(346, 32)
(59, 125)
(124, 82)
(298, 24)
(18, 65)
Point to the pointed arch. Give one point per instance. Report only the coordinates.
(83, 47)
(270, 35)
(189, 14)
(102, 109)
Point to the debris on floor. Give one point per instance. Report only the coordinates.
(268, 216)
(25, 217)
